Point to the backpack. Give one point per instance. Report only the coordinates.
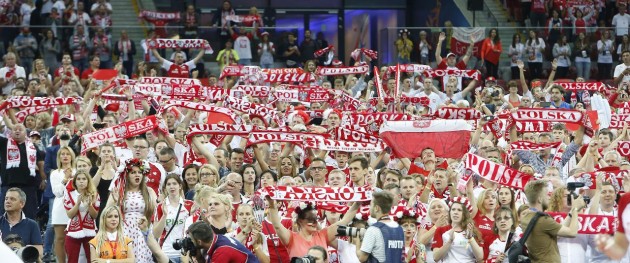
(516, 252)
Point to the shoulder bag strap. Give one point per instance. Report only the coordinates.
(530, 227)
(174, 223)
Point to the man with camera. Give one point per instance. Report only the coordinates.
(316, 254)
(218, 248)
(384, 241)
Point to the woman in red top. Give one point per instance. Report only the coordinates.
(81, 202)
(483, 213)
(490, 51)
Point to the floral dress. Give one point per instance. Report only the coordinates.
(133, 210)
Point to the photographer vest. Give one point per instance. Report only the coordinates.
(394, 242)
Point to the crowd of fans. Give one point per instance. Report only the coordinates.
(166, 196)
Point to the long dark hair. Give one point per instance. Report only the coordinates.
(496, 37)
(186, 168)
(514, 39)
(256, 177)
(530, 40)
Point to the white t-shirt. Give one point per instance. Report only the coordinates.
(460, 251)
(563, 60)
(535, 49)
(621, 23)
(619, 69)
(347, 252)
(573, 250)
(6, 74)
(516, 53)
(243, 47)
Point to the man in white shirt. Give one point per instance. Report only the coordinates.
(450, 95)
(434, 98)
(621, 22)
(10, 73)
(622, 71)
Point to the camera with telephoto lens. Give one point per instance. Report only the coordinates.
(28, 254)
(344, 231)
(495, 93)
(185, 245)
(305, 259)
(571, 188)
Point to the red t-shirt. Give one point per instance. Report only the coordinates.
(624, 216)
(276, 249)
(484, 224)
(154, 179)
(178, 71)
(60, 71)
(415, 169)
(86, 73)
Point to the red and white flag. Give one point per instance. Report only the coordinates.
(448, 138)
(461, 39)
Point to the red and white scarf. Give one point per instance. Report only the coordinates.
(320, 142)
(379, 85)
(21, 115)
(24, 101)
(124, 45)
(122, 131)
(496, 172)
(356, 54)
(169, 80)
(336, 71)
(304, 94)
(577, 86)
(550, 116)
(458, 113)
(473, 74)
(618, 120)
(164, 43)
(591, 224)
(152, 15)
(14, 157)
(287, 75)
(198, 107)
(242, 19)
(220, 129)
(408, 68)
(320, 194)
(254, 91)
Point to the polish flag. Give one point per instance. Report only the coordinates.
(448, 138)
(461, 40)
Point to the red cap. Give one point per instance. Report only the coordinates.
(112, 107)
(304, 116)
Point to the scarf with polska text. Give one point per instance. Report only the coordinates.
(280, 135)
(321, 143)
(591, 224)
(302, 94)
(152, 15)
(618, 120)
(20, 116)
(217, 129)
(117, 82)
(251, 90)
(531, 146)
(609, 174)
(165, 43)
(577, 86)
(250, 108)
(550, 116)
(424, 101)
(407, 68)
(243, 19)
(336, 71)
(197, 107)
(458, 113)
(25, 101)
(14, 157)
(320, 194)
(122, 131)
(496, 172)
(472, 74)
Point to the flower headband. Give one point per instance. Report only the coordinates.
(403, 211)
(304, 206)
(462, 200)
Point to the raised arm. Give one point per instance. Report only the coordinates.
(199, 56)
(469, 50)
(283, 233)
(438, 48)
(347, 218)
(157, 55)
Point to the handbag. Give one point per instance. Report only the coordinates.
(516, 252)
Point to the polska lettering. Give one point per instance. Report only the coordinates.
(618, 120)
(591, 224)
(320, 194)
(169, 80)
(497, 173)
(333, 71)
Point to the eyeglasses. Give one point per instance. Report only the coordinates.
(506, 218)
(161, 161)
(318, 168)
(16, 239)
(138, 147)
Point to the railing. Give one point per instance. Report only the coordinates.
(492, 19)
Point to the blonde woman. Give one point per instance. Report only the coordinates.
(40, 71)
(214, 208)
(110, 243)
(81, 203)
(82, 163)
(59, 178)
(209, 175)
(249, 232)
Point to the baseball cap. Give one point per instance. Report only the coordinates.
(34, 133)
(491, 79)
(69, 117)
(450, 54)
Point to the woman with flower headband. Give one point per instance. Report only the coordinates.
(409, 220)
(137, 200)
(59, 178)
(110, 243)
(457, 242)
(81, 202)
(308, 234)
